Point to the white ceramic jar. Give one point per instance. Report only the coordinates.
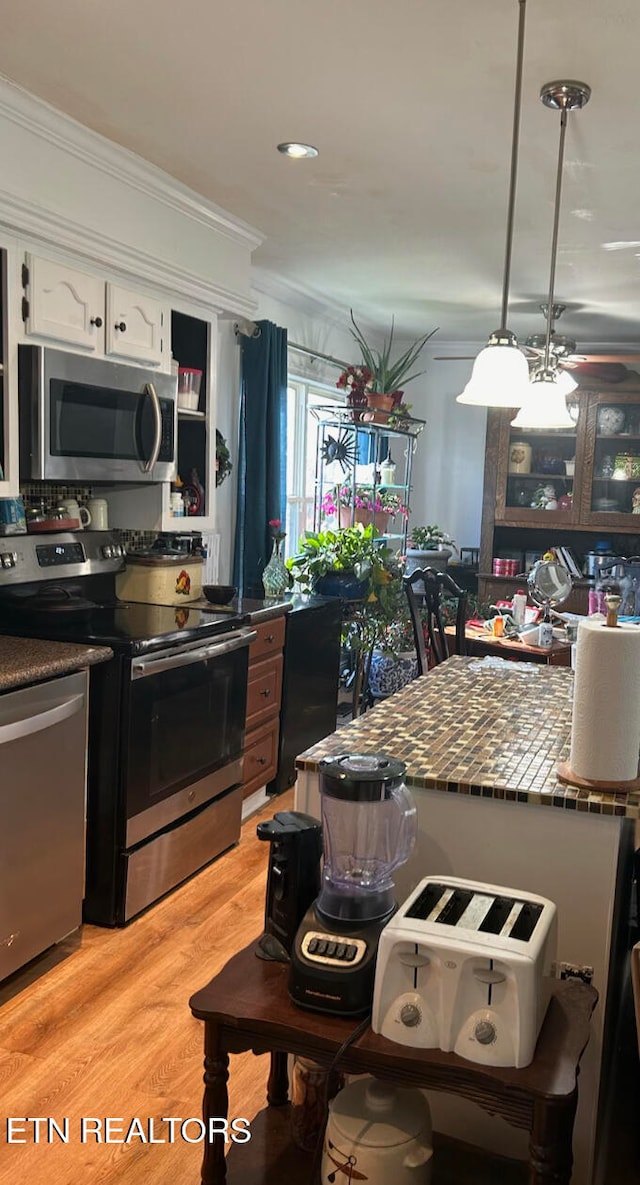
(381, 1132)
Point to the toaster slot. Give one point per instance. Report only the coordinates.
(426, 901)
(526, 921)
(452, 912)
(497, 915)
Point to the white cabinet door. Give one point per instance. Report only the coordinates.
(134, 326)
(64, 304)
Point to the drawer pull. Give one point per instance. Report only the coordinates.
(261, 760)
(270, 638)
(266, 692)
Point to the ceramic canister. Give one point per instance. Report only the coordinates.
(520, 452)
(378, 1133)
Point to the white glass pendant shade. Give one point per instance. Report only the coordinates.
(546, 405)
(500, 378)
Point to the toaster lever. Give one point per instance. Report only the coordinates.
(410, 958)
(485, 975)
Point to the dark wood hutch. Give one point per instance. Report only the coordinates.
(594, 470)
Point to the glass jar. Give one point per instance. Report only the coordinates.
(312, 1086)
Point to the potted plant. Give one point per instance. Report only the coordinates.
(368, 503)
(393, 661)
(428, 547)
(382, 377)
(346, 563)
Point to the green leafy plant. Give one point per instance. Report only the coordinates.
(430, 538)
(386, 376)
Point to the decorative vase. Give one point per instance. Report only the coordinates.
(275, 577)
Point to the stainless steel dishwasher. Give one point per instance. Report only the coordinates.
(43, 732)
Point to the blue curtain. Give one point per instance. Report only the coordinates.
(262, 452)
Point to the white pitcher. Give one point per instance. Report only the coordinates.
(99, 511)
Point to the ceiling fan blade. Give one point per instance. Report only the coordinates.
(621, 358)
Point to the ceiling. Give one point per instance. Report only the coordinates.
(410, 105)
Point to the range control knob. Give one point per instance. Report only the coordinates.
(107, 551)
(410, 1015)
(485, 1032)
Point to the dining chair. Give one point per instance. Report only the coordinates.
(425, 588)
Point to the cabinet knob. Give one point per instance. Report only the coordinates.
(266, 692)
(270, 638)
(261, 760)
(97, 321)
(121, 326)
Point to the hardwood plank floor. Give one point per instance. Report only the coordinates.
(100, 1026)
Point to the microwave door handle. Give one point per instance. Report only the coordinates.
(150, 390)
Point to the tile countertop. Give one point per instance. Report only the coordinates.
(29, 660)
(483, 727)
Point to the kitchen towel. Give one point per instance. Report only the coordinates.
(605, 726)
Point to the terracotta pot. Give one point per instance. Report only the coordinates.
(379, 402)
(380, 518)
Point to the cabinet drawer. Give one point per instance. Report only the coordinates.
(270, 638)
(264, 690)
(260, 756)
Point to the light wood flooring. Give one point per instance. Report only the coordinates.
(100, 1026)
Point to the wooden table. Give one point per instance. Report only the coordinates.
(247, 1007)
(479, 643)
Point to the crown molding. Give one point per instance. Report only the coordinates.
(54, 126)
(40, 225)
(305, 300)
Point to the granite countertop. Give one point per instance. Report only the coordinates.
(29, 660)
(483, 727)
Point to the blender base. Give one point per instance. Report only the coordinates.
(333, 963)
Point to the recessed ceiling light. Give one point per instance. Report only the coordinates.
(298, 151)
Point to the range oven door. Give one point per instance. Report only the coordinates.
(185, 731)
(91, 419)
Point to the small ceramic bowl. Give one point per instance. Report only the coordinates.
(219, 594)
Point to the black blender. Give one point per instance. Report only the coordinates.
(369, 828)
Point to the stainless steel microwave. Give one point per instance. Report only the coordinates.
(89, 419)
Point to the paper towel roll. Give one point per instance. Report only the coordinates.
(605, 727)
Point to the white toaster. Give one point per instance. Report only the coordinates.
(465, 966)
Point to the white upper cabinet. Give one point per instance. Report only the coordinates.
(134, 325)
(89, 313)
(63, 304)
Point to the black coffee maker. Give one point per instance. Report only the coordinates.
(293, 879)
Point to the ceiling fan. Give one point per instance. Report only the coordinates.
(608, 367)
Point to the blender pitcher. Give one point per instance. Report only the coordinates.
(369, 827)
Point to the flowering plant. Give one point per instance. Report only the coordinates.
(276, 524)
(365, 498)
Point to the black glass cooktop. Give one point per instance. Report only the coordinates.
(126, 627)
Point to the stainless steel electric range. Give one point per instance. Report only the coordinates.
(166, 716)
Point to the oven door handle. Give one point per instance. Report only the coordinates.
(150, 390)
(142, 668)
(17, 729)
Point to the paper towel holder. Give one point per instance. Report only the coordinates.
(563, 770)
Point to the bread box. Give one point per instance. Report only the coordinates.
(160, 578)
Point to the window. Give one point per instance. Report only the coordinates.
(302, 439)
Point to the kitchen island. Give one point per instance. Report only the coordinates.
(481, 739)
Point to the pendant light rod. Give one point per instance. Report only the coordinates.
(565, 97)
(513, 177)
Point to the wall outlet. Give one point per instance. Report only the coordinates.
(574, 971)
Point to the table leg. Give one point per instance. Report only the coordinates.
(550, 1151)
(215, 1105)
(278, 1084)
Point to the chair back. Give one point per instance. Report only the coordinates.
(424, 589)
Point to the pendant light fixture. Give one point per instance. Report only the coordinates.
(546, 405)
(500, 375)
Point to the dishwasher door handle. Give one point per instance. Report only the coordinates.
(18, 729)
